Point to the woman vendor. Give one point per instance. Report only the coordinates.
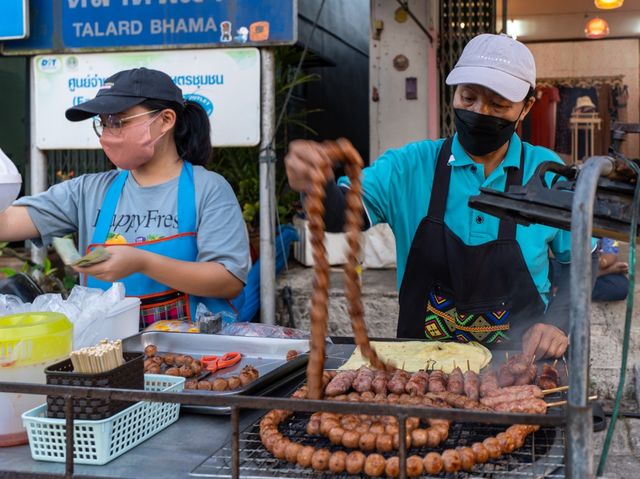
(463, 275)
(173, 229)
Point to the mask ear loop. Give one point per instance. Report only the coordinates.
(520, 114)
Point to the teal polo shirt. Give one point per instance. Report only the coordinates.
(397, 190)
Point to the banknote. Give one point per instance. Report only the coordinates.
(70, 256)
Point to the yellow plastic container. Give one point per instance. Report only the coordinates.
(29, 342)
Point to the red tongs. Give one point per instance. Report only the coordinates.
(214, 363)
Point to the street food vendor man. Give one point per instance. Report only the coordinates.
(463, 275)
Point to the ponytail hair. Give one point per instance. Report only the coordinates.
(192, 131)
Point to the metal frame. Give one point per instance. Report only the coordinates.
(237, 403)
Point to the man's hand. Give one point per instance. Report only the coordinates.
(302, 160)
(544, 341)
(124, 261)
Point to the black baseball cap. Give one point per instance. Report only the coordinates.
(126, 89)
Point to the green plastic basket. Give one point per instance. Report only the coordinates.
(98, 442)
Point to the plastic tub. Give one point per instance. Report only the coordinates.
(123, 320)
(29, 342)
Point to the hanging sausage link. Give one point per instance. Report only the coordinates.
(332, 153)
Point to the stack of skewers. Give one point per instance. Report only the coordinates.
(101, 358)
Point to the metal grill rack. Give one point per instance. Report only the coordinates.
(541, 456)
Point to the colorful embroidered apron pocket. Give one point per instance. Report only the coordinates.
(444, 323)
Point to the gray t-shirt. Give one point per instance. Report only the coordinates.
(146, 213)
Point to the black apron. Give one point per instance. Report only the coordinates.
(452, 291)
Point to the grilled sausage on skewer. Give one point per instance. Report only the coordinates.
(505, 376)
(398, 381)
(363, 380)
(456, 381)
(488, 383)
(471, 383)
(437, 382)
(531, 389)
(379, 384)
(418, 383)
(341, 383)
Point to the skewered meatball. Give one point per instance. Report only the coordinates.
(392, 469)
(384, 443)
(313, 427)
(414, 466)
(338, 462)
(150, 350)
(433, 463)
(245, 378)
(280, 448)
(220, 385)
(170, 359)
(197, 368)
(419, 437)
(191, 385)
(377, 428)
(154, 369)
(451, 460)
(320, 460)
(467, 458)
(173, 372)
(367, 442)
(185, 371)
(291, 354)
(493, 446)
(187, 360)
(374, 465)
(355, 462)
(506, 442)
(157, 360)
(234, 382)
(304, 456)
(480, 452)
(204, 385)
(335, 435)
(179, 360)
(350, 439)
(291, 453)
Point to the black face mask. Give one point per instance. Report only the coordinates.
(482, 134)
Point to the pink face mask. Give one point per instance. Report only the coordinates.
(131, 147)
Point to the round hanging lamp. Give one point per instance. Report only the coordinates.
(596, 28)
(608, 4)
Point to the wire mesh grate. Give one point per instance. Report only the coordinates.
(541, 456)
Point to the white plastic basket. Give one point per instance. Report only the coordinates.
(98, 442)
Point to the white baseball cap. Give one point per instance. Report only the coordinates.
(497, 62)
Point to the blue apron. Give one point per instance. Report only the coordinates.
(158, 302)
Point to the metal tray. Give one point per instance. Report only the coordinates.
(267, 355)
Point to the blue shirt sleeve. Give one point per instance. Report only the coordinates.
(377, 188)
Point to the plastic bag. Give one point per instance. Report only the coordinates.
(257, 330)
(85, 308)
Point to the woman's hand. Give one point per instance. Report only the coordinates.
(123, 261)
(303, 158)
(544, 341)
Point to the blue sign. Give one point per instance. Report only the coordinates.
(101, 25)
(14, 21)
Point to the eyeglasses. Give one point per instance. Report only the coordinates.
(114, 123)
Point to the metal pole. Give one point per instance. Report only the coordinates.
(504, 16)
(267, 188)
(37, 162)
(579, 417)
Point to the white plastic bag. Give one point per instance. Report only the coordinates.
(85, 308)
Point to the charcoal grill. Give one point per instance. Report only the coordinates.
(541, 456)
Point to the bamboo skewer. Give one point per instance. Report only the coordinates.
(562, 403)
(103, 357)
(555, 390)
